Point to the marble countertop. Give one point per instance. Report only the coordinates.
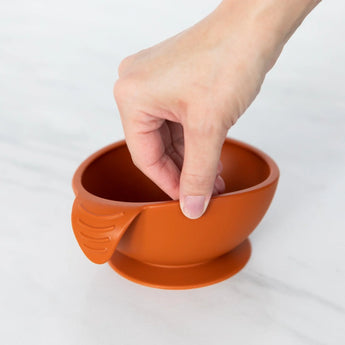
(57, 65)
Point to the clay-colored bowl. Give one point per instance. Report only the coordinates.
(120, 216)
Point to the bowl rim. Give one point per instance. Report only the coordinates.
(80, 190)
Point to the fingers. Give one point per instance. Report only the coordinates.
(177, 154)
(147, 138)
(176, 142)
(148, 148)
(219, 184)
(160, 149)
(200, 167)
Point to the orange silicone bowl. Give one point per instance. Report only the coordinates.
(121, 217)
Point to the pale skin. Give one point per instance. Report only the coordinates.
(179, 98)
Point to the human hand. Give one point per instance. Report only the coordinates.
(178, 99)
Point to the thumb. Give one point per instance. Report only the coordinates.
(199, 171)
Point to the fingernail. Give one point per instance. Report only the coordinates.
(219, 184)
(193, 206)
(215, 191)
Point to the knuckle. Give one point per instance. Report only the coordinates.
(117, 89)
(121, 89)
(204, 126)
(209, 122)
(124, 65)
(197, 183)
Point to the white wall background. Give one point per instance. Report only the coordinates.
(58, 62)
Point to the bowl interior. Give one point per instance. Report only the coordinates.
(113, 176)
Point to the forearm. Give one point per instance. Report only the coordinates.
(273, 21)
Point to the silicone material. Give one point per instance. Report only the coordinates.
(120, 216)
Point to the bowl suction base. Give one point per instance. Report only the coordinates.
(185, 277)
